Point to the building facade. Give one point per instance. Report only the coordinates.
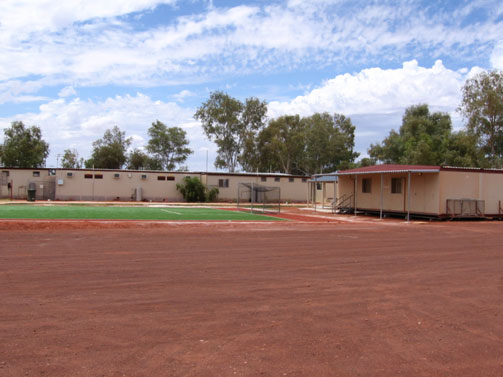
(422, 190)
(135, 185)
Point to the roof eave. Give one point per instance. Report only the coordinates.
(389, 172)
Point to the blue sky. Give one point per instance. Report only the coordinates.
(78, 67)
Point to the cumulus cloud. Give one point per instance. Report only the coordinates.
(497, 56)
(183, 94)
(380, 91)
(67, 91)
(376, 98)
(77, 123)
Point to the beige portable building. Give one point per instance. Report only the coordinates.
(430, 191)
(136, 185)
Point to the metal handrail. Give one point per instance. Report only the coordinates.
(340, 202)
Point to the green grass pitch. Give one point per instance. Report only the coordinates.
(76, 212)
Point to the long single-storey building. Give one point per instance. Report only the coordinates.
(136, 185)
(432, 191)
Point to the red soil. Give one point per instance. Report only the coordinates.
(265, 299)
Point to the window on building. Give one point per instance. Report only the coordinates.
(304, 180)
(318, 185)
(291, 179)
(117, 175)
(69, 174)
(36, 174)
(277, 179)
(170, 178)
(98, 176)
(4, 178)
(161, 178)
(366, 185)
(263, 179)
(396, 185)
(223, 183)
(143, 176)
(88, 176)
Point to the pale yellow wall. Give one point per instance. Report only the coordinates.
(472, 185)
(491, 190)
(21, 178)
(423, 199)
(78, 187)
(326, 193)
(290, 191)
(425, 193)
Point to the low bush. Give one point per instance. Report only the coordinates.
(193, 190)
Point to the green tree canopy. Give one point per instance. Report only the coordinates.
(426, 139)
(109, 152)
(168, 145)
(281, 145)
(294, 145)
(232, 125)
(71, 159)
(482, 106)
(330, 141)
(138, 160)
(23, 147)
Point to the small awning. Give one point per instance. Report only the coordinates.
(389, 169)
(324, 178)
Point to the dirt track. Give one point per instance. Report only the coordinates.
(284, 299)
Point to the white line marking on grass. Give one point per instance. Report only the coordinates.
(173, 212)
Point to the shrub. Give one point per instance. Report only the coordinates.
(193, 190)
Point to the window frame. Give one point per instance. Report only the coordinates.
(394, 185)
(223, 183)
(366, 185)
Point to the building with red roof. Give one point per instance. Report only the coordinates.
(420, 190)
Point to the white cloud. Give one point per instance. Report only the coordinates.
(74, 45)
(376, 98)
(19, 18)
(183, 94)
(497, 56)
(67, 91)
(78, 123)
(18, 91)
(380, 91)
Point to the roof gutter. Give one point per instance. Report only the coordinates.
(388, 172)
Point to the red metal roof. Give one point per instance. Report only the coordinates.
(391, 168)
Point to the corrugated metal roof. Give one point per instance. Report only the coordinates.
(259, 174)
(389, 168)
(323, 178)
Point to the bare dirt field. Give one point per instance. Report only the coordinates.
(265, 299)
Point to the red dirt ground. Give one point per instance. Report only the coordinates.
(265, 299)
